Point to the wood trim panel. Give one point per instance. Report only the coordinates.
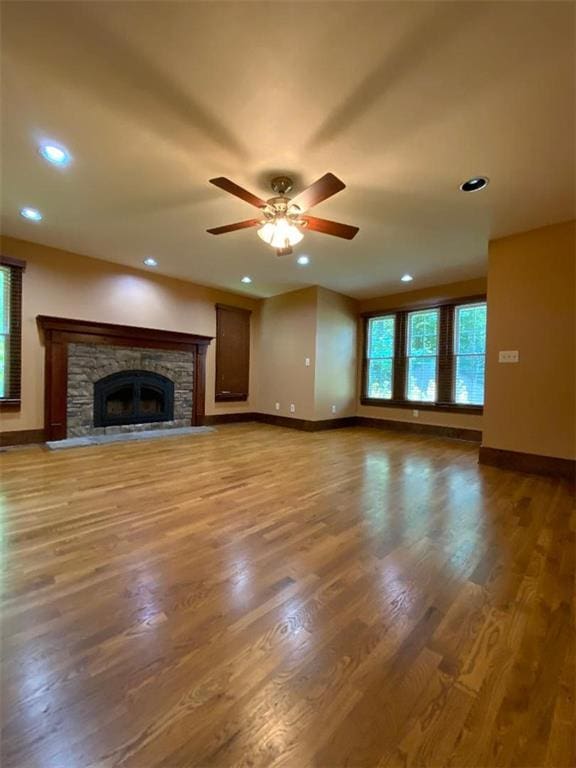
(60, 332)
(199, 394)
(111, 330)
(10, 404)
(9, 261)
(233, 308)
(530, 463)
(22, 437)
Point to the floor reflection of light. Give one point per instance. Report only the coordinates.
(375, 489)
(241, 582)
(462, 520)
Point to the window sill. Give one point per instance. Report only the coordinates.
(477, 410)
(7, 404)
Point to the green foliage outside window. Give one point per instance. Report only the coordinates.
(4, 327)
(422, 355)
(380, 357)
(470, 351)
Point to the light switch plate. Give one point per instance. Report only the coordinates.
(277, 406)
(508, 356)
(307, 362)
(292, 408)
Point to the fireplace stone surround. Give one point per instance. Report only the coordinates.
(88, 364)
(78, 353)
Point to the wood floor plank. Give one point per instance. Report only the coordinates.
(258, 596)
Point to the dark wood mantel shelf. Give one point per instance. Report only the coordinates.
(60, 331)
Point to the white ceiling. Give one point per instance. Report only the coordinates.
(402, 101)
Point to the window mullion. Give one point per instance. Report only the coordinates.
(445, 372)
(399, 388)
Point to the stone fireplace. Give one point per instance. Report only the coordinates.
(108, 379)
(127, 389)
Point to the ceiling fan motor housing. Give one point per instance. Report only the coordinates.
(281, 184)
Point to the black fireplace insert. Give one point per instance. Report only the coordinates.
(133, 397)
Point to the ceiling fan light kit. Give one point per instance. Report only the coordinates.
(283, 218)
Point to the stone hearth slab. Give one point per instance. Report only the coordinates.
(150, 434)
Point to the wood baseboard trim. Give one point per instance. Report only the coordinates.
(532, 463)
(455, 433)
(306, 425)
(228, 418)
(22, 437)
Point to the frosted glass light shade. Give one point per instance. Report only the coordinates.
(280, 233)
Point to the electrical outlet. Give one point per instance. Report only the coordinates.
(415, 413)
(307, 362)
(277, 406)
(292, 408)
(508, 356)
(333, 409)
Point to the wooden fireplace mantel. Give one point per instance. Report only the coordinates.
(60, 331)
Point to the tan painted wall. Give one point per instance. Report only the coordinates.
(421, 297)
(287, 337)
(336, 355)
(530, 406)
(67, 285)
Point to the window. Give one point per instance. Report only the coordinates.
(470, 351)
(422, 355)
(434, 357)
(380, 356)
(10, 329)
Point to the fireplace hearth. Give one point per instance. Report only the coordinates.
(133, 397)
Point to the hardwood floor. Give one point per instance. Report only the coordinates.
(265, 597)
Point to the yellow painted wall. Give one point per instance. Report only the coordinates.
(68, 285)
(287, 336)
(531, 405)
(336, 355)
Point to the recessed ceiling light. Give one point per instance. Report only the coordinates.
(406, 278)
(246, 279)
(150, 262)
(31, 214)
(474, 184)
(55, 154)
(303, 259)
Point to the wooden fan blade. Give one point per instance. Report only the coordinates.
(322, 189)
(330, 227)
(234, 227)
(234, 189)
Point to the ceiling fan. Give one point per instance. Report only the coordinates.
(282, 219)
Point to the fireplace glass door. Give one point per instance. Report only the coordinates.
(133, 397)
